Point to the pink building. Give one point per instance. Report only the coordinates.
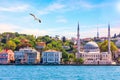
(6, 56)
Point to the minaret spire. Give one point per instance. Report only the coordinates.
(97, 32)
(78, 39)
(109, 49)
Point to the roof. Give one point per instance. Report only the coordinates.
(7, 51)
(51, 51)
(24, 40)
(91, 44)
(41, 44)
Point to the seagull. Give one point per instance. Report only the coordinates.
(35, 17)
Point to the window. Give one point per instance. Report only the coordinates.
(44, 54)
(56, 59)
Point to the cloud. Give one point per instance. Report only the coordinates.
(61, 31)
(34, 32)
(52, 8)
(8, 28)
(71, 5)
(103, 32)
(85, 4)
(14, 28)
(117, 6)
(61, 20)
(14, 8)
(88, 33)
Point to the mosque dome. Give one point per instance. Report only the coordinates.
(91, 47)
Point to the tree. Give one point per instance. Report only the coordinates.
(118, 59)
(16, 40)
(71, 57)
(46, 39)
(79, 60)
(10, 45)
(104, 47)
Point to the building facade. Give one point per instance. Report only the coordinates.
(51, 57)
(91, 52)
(27, 56)
(6, 56)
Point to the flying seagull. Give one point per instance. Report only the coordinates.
(35, 17)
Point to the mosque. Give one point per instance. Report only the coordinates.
(91, 52)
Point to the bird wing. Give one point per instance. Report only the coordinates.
(33, 15)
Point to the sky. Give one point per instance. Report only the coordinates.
(60, 17)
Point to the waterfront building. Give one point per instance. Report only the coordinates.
(51, 57)
(91, 52)
(117, 55)
(6, 56)
(19, 57)
(27, 56)
(118, 43)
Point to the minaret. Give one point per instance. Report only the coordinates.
(78, 39)
(109, 50)
(97, 32)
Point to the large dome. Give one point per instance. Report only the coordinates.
(91, 44)
(91, 47)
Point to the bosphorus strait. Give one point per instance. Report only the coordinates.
(59, 72)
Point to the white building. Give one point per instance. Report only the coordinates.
(91, 52)
(118, 43)
(51, 57)
(27, 55)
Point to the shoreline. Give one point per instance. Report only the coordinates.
(62, 64)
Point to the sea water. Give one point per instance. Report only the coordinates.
(12, 72)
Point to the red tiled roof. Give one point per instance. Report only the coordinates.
(41, 44)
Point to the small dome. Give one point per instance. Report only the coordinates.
(91, 47)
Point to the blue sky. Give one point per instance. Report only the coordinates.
(60, 17)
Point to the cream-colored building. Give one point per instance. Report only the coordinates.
(51, 57)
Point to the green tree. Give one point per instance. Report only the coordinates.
(46, 39)
(104, 47)
(79, 60)
(16, 40)
(11, 45)
(71, 57)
